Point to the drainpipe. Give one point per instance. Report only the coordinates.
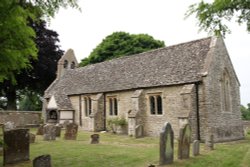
(104, 111)
(80, 109)
(197, 110)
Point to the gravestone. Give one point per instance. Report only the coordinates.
(49, 132)
(209, 143)
(1, 139)
(184, 142)
(196, 147)
(58, 130)
(166, 145)
(17, 146)
(138, 131)
(9, 126)
(71, 131)
(42, 161)
(40, 129)
(95, 139)
(32, 137)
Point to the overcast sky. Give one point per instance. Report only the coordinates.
(162, 19)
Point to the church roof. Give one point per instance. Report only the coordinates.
(177, 64)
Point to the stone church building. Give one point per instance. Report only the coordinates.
(191, 82)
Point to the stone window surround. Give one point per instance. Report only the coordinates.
(226, 92)
(112, 105)
(87, 105)
(155, 95)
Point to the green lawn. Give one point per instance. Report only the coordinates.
(124, 151)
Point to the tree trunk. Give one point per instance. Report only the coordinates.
(11, 97)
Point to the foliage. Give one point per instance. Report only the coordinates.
(43, 71)
(245, 112)
(212, 16)
(30, 101)
(17, 46)
(117, 121)
(121, 44)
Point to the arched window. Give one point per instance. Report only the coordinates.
(152, 104)
(65, 64)
(88, 106)
(113, 106)
(155, 104)
(225, 90)
(72, 66)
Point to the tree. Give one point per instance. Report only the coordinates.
(121, 44)
(43, 71)
(30, 101)
(17, 46)
(245, 112)
(212, 16)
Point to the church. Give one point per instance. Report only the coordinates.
(192, 82)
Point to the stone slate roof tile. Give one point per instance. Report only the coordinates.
(177, 64)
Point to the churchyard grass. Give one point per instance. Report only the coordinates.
(123, 151)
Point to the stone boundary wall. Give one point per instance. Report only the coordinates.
(246, 124)
(21, 118)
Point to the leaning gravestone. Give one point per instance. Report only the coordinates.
(95, 139)
(184, 142)
(40, 129)
(138, 131)
(209, 143)
(49, 132)
(17, 146)
(166, 145)
(42, 161)
(196, 147)
(32, 137)
(71, 131)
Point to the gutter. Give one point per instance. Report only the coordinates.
(198, 137)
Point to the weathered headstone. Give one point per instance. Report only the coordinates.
(209, 142)
(49, 132)
(166, 145)
(71, 131)
(17, 146)
(138, 131)
(40, 129)
(95, 138)
(9, 126)
(184, 142)
(58, 130)
(42, 161)
(196, 147)
(65, 123)
(32, 137)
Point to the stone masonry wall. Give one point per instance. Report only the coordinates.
(20, 118)
(225, 125)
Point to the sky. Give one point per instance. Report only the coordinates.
(162, 19)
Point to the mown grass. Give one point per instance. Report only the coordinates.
(124, 151)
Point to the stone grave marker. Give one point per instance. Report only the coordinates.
(184, 142)
(32, 138)
(166, 145)
(42, 161)
(138, 131)
(49, 132)
(196, 147)
(95, 139)
(40, 129)
(71, 131)
(16, 146)
(58, 130)
(1, 139)
(209, 142)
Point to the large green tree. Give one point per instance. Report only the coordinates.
(42, 73)
(213, 16)
(121, 44)
(17, 45)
